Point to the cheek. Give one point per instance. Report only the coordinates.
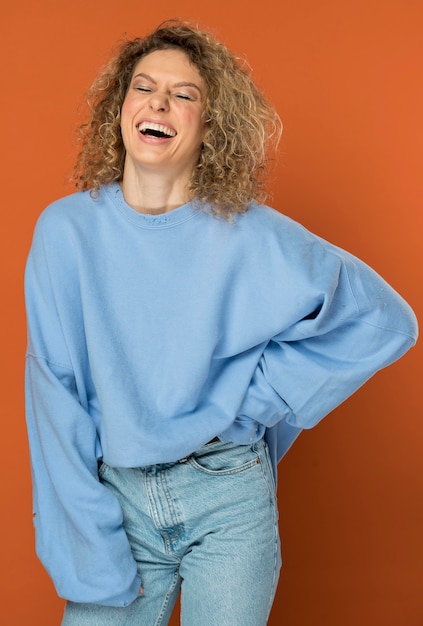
(202, 131)
(129, 108)
(126, 118)
(125, 112)
(195, 122)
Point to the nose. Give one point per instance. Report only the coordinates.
(159, 101)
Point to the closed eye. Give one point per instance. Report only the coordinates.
(183, 96)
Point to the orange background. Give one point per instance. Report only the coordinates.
(346, 77)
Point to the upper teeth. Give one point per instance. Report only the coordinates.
(159, 127)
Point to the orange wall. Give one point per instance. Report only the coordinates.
(346, 77)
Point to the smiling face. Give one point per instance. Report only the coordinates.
(162, 115)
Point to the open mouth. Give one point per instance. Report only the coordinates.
(156, 130)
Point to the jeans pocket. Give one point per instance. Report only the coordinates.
(225, 459)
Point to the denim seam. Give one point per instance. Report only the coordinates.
(273, 499)
(275, 564)
(162, 613)
(270, 482)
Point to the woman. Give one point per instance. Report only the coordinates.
(181, 335)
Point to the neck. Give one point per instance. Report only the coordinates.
(153, 193)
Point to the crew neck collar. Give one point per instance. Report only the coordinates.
(143, 220)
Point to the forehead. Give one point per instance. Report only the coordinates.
(169, 62)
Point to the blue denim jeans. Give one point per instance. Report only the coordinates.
(206, 525)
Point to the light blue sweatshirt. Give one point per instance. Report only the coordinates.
(150, 335)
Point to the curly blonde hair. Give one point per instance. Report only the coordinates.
(242, 125)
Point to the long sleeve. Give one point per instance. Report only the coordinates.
(358, 325)
(78, 522)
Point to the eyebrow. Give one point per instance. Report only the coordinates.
(180, 84)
